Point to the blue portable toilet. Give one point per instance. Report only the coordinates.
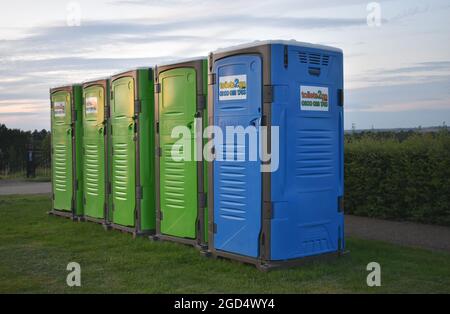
(294, 210)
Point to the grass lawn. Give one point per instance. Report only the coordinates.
(35, 250)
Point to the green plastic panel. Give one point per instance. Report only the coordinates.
(178, 179)
(62, 167)
(94, 162)
(132, 151)
(123, 159)
(66, 149)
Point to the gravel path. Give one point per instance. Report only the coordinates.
(403, 233)
(9, 187)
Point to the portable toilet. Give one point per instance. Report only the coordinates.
(66, 155)
(180, 101)
(95, 150)
(284, 202)
(132, 152)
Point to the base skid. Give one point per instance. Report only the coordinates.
(190, 242)
(267, 265)
(64, 214)
(131, 230)
(100, 221)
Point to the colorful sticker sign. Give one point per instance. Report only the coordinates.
(59, 108)
(233, 87)
(91, 105)
(314, 98)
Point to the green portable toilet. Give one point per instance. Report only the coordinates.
(95, 171)
(180, 100)
(66, 151)
(132, 152)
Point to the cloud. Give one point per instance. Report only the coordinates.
(92, 35)
(431, 95)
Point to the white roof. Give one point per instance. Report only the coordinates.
(96, 79)
(132, 69)
(66, 85)
(278, 42)
(178, 61)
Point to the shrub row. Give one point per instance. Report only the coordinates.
(406, 179)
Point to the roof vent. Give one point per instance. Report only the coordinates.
(313, 58)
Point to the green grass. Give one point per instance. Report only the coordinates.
(35, 250)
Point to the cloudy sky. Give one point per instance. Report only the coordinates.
(397, 74)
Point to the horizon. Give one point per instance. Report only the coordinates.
(396, 52)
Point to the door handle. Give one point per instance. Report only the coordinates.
(69, 131)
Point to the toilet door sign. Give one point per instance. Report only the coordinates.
(314, 98)
(59, 109)
(233, 87)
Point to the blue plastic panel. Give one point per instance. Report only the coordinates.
(309, 180)
(237, 184)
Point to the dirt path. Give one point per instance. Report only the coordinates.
(9, 187)
(403, 233)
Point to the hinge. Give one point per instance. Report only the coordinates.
(201, 102)
(76, 185)
(74, 115)
(213, 150)
(340, 204)
(158, 152)
(263, 120)
(157, 126)
(210, 61)
(53, 196)
(112, 95)
(107, 111)
(160, 214)
(215, 228)
(340, 97)
(212, 78)
(139, 192)
(157, 88)
(201, 200)
(136, 214)
(112, 150)
(268, 209)
(151, 74)
(286, 57)
(137, 106)
(108, 189)
(268, 94)
(112, 207)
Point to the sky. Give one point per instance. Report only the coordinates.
(396, 52)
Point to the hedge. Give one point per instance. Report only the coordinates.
(407, 179)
